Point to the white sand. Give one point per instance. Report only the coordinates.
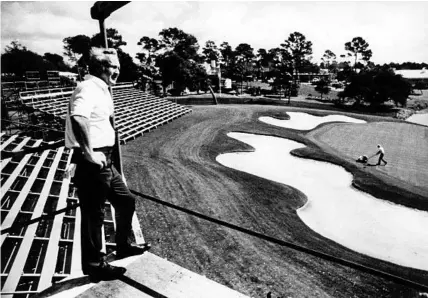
(419, 119)
(335, 210)
(304, 121)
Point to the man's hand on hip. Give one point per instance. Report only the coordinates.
(98, 158)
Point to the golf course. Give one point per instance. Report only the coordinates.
(178, 163)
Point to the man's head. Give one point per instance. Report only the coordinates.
(378, 145)
(104, 64)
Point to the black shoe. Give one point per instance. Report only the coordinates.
(132, 250)
(104, 271)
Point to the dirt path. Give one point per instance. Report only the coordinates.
(177, 164)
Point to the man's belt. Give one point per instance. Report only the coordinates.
(106, 150)
(78, 154)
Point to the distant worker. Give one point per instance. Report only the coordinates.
(381, 153)
(90, 133)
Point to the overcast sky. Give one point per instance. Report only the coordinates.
(396, 31)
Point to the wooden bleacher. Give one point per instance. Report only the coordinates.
(48, 250)
(136, 112)
(36, 255)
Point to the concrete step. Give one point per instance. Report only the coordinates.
(147, 276)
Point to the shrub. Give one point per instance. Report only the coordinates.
(403, 114)
(420, 105)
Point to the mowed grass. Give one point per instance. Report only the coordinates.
(306, 89)
(406, 147)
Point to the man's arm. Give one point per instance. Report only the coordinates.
(377, 153)
(80, 126)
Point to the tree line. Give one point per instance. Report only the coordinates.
(174, 56)
(17, 59)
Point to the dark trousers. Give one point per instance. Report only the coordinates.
(94, 187)
(381, 159)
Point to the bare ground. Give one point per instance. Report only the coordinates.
(176, 163)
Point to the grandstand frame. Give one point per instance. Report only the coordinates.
(34, 182)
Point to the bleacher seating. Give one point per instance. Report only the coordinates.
(136, 112)
(48, 250)
(33, 256)
(24, 85)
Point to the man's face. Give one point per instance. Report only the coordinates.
(111, 71)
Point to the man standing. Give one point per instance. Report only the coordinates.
(90, 133)
(381, 153)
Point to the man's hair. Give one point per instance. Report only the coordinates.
(100, 58)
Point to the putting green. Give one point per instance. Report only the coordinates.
(406, 146)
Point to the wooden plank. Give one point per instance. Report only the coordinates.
(45, 95)
(7, 142)
(21, 258)
(136, 228)
(76, 258)
(9, 182)
(5, 187)
(48, 269)
(103, 238)
(13, 212)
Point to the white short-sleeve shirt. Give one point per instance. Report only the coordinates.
(92, 100)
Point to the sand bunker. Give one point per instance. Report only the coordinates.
(305, 121)
(419, 119)
(334, 209)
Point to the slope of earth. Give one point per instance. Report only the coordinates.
(176, 163)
